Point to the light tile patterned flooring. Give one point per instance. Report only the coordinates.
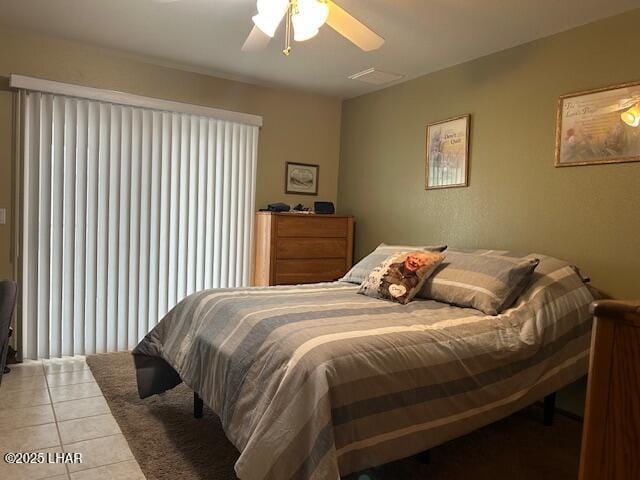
(56, 406)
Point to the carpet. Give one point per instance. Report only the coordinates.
(169, 443)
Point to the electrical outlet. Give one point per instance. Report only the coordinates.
(3, 216)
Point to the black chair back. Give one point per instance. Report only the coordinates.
(8, 294)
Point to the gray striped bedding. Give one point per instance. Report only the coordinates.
(315, 381)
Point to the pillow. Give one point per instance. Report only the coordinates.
(486, 282)
(360, 270)
(401, 275)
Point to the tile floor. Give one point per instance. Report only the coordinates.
(56, 406)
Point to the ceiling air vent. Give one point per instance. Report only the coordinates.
(375, 77)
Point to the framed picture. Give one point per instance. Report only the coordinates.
(447, 158)
(301, 178)
(599, 126)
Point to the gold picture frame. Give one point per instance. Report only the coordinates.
(446, 165)
(590, 130)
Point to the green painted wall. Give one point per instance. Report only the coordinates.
(516, 198)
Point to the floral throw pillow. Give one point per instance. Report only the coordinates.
(401, 275)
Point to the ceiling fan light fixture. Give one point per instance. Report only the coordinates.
(301, 35)
(307, 18)
(304, 18)
(270, 14)
(632, 116)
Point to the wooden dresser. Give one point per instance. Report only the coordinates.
(293, 248)
(611, 432)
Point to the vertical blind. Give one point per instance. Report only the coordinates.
(126, 210)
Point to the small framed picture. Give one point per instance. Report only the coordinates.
(447, 156)
(301, 178)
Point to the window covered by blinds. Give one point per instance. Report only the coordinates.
(126, 210)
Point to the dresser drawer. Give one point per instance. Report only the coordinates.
(311, 226)
(289, 247)
(290, 272)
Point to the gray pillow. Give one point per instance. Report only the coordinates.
(486, 282)
(360, 271)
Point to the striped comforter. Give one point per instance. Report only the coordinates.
(316, 381)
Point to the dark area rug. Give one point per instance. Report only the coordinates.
(169, 443)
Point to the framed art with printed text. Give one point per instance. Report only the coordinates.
(447, 155)
(599, 126)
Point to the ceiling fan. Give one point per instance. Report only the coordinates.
(303, 19)
(631, 107)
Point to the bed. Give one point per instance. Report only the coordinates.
(317, 382)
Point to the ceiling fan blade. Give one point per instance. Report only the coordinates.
(623, 104)
(256, 41)
(353, 29)
(611, 109)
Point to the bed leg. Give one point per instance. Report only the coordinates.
(549, 409)
(424, 457)
(198, 406)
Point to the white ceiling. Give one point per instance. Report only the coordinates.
(206, 35)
